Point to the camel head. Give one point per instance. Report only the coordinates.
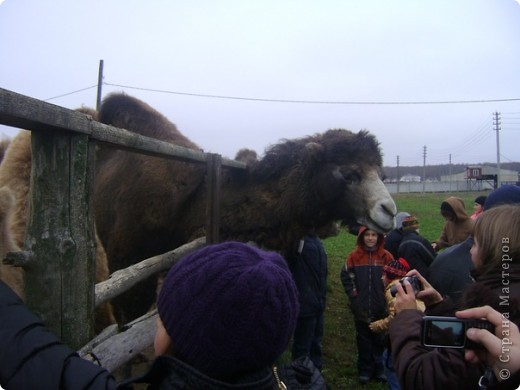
(353, 175)
(331, 176)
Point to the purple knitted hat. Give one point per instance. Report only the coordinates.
(229, 308)
(506, 194)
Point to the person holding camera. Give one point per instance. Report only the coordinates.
(392, 274)
(501, 350)
(496, 255)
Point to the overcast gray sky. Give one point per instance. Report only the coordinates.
(299, 67)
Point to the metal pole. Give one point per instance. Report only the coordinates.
(398, 178)
(496, 122)
(424, 170)
(99, 85)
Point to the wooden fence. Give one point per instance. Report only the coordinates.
(59, 250)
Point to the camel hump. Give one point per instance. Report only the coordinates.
(127, 112)
(88, 111)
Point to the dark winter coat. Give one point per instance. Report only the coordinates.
(309, 269)
(361, 278)
(168, 372)
(417, 251)
(392, 241)
(450, 272)
(31, 357)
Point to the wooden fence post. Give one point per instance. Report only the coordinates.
(60, 275)
(213, 177)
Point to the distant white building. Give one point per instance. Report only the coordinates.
(409, 178)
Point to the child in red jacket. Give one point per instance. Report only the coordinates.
(361, 278)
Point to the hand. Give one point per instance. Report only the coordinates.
(404, 300)
(502, 350)
(428, 294)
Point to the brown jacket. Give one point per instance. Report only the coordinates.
(458, 230)
(419, 367)
(423, 368)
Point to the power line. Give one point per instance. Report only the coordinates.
(71, 93)
(288, 100)
(310, 101)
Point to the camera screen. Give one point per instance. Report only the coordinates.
(441, 333)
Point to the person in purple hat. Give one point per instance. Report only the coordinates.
(226, 314)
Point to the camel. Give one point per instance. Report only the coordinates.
(4, 144)
(145, 205)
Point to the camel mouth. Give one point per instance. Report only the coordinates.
(374, 225)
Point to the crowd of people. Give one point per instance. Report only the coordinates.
(227, 312)
(471, 271)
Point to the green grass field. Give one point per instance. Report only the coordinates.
(340, 352)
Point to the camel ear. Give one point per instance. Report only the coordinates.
(313, 150)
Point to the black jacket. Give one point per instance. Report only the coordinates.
(31, 357)
(168, 372)
(309, 269)
(417, 251)
(392, 241)
(450, 273)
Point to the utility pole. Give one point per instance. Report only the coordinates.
(99, 84)
(496, 124)
(450, 172)
(424, 169)
(397, 174)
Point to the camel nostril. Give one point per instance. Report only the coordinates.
(389, 208)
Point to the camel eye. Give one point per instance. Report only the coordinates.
(351, 177)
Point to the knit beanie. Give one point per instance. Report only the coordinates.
(396, 269)
(481, 200)
(410, 223)
(229, 308)
(399, 219)
(506, 194)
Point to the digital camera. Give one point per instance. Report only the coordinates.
(450, 332)
(414, 282)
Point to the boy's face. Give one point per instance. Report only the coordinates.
(370, 238)
(449, 216)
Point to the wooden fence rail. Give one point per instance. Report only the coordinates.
(115, 346)
(58, 256)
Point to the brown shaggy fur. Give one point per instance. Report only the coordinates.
(246, 156)
(4, 144)
(145, 206)
(15, 173)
